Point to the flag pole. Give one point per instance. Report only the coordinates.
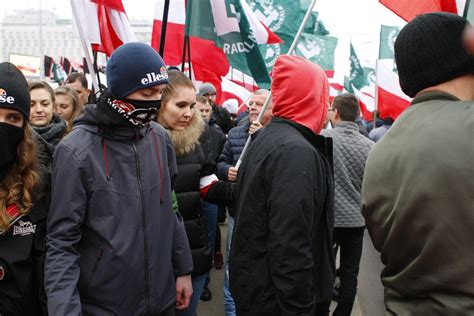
(269, 97)
(163, 28)
(84, 45)
(376, 91)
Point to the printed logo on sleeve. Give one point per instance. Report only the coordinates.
(2, 274)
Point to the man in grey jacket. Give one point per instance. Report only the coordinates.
(350, 151)
(115, 246)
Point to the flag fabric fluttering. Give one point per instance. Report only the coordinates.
(388, 35)
(361, 83)
(105, 24)
(284, 19)
(221, 34)
(232, 90)
(409, 9)
(390, 98)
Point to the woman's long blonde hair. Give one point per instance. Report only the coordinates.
(22, 180)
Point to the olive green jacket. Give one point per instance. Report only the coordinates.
(418, 203)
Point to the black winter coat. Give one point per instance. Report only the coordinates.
(22, 252)
(282, 261)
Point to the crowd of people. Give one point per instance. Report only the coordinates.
(113, 208)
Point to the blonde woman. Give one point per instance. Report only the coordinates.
(23, 207)
(67, 105)
(196, 177)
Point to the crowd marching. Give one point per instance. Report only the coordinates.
(113, 208)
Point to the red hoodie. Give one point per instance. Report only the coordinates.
(300, 92)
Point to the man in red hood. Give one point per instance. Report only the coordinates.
(282, 261)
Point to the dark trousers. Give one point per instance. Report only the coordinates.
(349, 241)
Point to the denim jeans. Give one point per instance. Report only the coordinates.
(350, 241)
(209, 217)
(198, 284)
(229, 304)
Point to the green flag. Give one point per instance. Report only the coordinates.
(226, 23)
(356, 77)
(388, 35)
(318, 49)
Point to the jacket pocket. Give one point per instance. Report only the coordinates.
(93, 271)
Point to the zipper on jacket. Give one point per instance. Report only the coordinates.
(145, 237)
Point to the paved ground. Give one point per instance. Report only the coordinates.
(369, 302)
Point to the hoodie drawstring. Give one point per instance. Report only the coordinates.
(159, 164)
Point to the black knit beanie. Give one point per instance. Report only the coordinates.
(14, 93)
(429, 50)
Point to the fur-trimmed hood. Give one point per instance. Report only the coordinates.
(185, 141)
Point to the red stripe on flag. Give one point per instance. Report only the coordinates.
(409, 9)
(111, 4)
(329, 73)
(390, 104)
(272, 37)
(108, 38)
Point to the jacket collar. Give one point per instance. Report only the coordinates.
(321, 143)
(433, 95)
(346, 125)
(91, 123)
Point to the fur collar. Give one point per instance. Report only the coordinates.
(185, 141)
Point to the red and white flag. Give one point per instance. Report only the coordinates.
(232, 90)
(409, 9)
(208, 61)
(105, 24)
(390, 98)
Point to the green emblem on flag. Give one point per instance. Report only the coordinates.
(388, 35)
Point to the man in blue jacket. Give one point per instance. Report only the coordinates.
(115, 246)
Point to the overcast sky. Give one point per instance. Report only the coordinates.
(350, 20)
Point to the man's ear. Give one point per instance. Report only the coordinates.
(88, 92)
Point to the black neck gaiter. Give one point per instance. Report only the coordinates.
(113, 111)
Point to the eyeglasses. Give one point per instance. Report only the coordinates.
(209, 94)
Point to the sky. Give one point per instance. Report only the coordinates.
(349, 20)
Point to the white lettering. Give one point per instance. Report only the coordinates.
(7, 99)
(152, 77)
(226, 48)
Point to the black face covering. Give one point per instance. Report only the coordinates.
(137, 112)
(10, 138)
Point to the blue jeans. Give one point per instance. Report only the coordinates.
(209, 217)
(229, 304)
(198, 284)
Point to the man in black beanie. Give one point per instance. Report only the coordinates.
(115, 246)
(418, 189)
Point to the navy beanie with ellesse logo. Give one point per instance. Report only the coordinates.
(134, 66)
(14, 93)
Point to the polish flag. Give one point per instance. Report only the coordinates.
(391, 99)
(232, 90)
(208, 61)
(409, 9)
(105, 24)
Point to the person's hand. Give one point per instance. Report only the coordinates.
(232, 174)
(184, 290)
(255, 126)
